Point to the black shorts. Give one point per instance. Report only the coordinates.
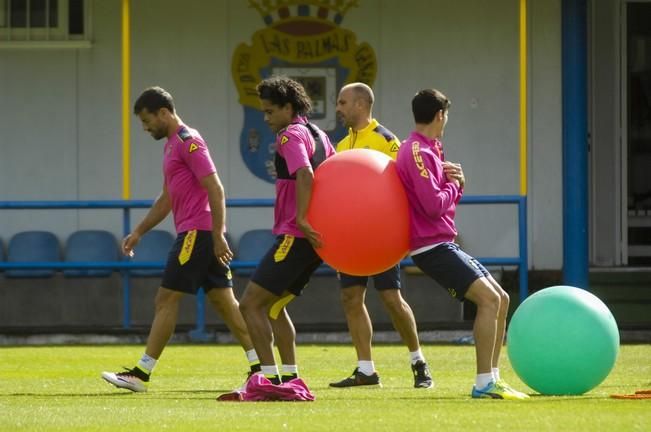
(451, 267)
(191, 264)
(387, 280)
(287, 266)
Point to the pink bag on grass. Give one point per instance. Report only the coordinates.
(259, 388)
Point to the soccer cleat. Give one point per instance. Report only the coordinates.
(505, 385)
(422, 377)
(255, 367)
(274, 379)
(287, 377)
(358, 379)
(495, 391)
(131, 379)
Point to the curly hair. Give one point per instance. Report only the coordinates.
(280, 90)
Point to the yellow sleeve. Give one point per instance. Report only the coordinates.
(389, 148)
(385, 141)
(344, 144)
(392, 148)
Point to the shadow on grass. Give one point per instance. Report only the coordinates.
(215, 391)
(563, 398)
(163, 395)
(66, 394)
(431, 395)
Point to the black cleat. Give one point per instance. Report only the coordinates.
(275, 379)
(422, 377)
(287, 377)
(358, 379)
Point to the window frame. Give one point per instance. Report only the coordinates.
(48, 36)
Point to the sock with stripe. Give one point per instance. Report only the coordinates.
(254, 362)
(289, 372)
(271, 373)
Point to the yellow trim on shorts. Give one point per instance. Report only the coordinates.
(188, 245)
(275, 308)
(284, 248)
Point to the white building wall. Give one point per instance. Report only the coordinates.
(61, 127)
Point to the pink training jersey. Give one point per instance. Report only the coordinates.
(296, 145)
(186, 161)
(432, 198)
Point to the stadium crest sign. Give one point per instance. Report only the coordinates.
(303, 39)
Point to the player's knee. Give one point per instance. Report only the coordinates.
(485, 296)
(222, 302)
(252, 303)
(504, 298)
(245, 304)
(352, 298)
(245, 308)
(491, 300)
(392, 300)
(166, 299)
(222, 308)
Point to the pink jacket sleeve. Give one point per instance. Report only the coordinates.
(435, 193)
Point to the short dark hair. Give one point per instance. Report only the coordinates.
(280, 90)
(153, 99)
(427, 103)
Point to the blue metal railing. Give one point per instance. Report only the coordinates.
(521, 261)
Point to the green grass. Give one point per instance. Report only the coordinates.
(59, 388)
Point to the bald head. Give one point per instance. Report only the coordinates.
(355, 105)
(361, 92)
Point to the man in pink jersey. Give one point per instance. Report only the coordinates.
(194, 194)
(286, 268)
(434, 188)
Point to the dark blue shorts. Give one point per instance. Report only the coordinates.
(287, 266)
(387, 280)
(191, 264)
(451, 267)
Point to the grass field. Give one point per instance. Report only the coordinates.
(59, 388)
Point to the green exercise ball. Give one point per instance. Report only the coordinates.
(562, 340)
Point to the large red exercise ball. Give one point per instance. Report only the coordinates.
(563, 341)
(360, 208)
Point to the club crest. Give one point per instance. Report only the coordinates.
(304, 40)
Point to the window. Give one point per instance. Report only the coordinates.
(38, 21)
(26, 13)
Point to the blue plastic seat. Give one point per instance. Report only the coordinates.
(153, 247)
(90, 246)
(252, 247)
(33, 246)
